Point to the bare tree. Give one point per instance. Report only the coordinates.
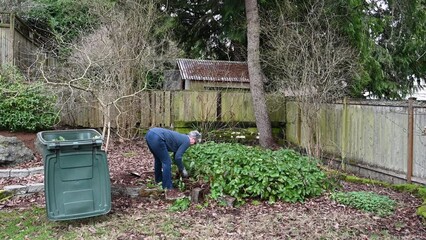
(113, 64)
(263, 122)
(310, 62)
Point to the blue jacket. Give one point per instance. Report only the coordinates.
(175, 142)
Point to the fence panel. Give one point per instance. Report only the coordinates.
(331, 122)
(369, 134)
(145, 109)
(419, 162)
(237, 107)
(292, 123)
(5, 46)
(190, 106)
(276, 107)
(377, 136)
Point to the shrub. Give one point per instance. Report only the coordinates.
(250, 172)
(24, 106)
(367, 201)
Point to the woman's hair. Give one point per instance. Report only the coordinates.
(196, 135)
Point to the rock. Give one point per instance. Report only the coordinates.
(150, 192)
(132, 191)
(13, 151)
(227, 200)
(196, 195)
(17, 189)
(35, 187)
(38, 145)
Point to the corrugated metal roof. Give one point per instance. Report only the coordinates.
(208, 70)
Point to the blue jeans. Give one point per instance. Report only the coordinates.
(163, 163)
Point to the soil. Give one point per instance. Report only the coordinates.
(131, 164)
(124, 159)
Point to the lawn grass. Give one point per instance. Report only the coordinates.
(249, 222)
(25, 224)
(154, 219)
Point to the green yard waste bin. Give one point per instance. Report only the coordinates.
(76, 174)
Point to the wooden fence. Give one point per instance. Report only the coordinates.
(173, 109)
(369, 137)
(20, 45)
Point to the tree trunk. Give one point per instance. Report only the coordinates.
(255, 73)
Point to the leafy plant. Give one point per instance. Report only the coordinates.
(23, 105)
(366, 201)
(180, 205)
(60, 138)
(180, 184)
(250, 172)
(151, 184)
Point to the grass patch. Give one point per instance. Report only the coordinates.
(25, 224)
(154, 221)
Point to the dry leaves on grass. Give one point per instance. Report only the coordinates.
(260, 220)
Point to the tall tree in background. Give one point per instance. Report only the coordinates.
(263, 122)
(390, 36)
(209, 29)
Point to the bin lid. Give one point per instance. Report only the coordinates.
(73, 137)
(77, 184)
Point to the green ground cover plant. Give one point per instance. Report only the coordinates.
(417, 190)
(366, 201)
(251, 172)
(180, 205)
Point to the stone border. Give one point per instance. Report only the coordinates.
(39, 187)
(19, 173)
(9, 173)
(132, 192)
(25, 189)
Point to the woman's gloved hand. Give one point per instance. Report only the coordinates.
(184, 173)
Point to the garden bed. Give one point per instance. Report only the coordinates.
(317, 217)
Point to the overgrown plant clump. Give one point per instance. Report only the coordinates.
(24, 106)
(250, 172)
(366, 201)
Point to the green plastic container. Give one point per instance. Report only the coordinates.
(76, 174)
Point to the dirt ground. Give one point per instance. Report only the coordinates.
(280, 219)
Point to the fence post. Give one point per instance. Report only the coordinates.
(299, 125)
(12, 39)
(344, 133)
(410, 138)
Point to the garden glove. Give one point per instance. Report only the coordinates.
(184, 173)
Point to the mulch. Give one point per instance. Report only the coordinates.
(131, 164)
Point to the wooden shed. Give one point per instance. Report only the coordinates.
(192, 74)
